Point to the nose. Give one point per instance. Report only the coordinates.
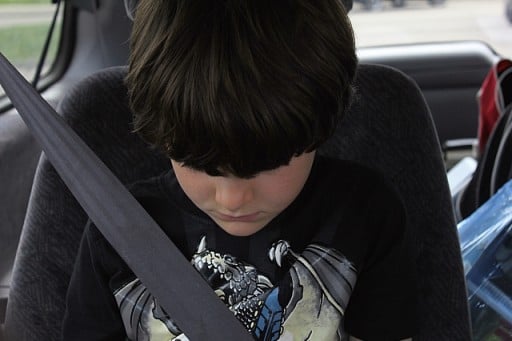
(233, 193)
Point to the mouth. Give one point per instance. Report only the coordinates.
(246, 218)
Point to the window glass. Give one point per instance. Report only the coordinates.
(388, 22)
(24, 26)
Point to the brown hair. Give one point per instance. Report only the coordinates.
(239, 85)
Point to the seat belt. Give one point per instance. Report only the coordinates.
(145, 248)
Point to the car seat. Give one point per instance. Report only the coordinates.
(97, 110)
(492, 169)
(388, 128)
(502, 170)
(495, 106)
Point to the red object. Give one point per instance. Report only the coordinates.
(493, 97)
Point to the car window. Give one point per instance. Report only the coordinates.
(391, 22)
(24, 26)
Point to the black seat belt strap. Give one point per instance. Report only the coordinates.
(181, 291)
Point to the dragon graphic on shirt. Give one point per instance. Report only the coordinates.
(308, 303)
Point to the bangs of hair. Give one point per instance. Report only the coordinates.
(239, 86)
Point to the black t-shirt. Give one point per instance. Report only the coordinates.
(334, 262)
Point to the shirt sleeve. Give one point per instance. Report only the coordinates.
(383, 303)
(91, 311)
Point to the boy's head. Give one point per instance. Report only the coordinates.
(239, 86)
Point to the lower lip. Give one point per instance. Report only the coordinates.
(244, 218)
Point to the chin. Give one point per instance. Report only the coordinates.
(241, 229)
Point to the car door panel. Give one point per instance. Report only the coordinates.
(449, 76)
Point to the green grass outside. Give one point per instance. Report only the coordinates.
(25, 2)
(23, 44)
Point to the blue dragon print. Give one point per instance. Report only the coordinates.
(307, 304)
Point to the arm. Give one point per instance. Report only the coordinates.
(91, 312)
(384, 297)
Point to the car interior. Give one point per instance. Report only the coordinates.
(423, 93)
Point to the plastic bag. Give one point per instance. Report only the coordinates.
(486, 244)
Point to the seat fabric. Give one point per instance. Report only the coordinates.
(97, 110)
(388, 128)
(502, 169)
(492, 170)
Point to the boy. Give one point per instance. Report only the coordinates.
(240, 94)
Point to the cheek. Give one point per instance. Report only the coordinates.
(196, 185)
(196, 190)
(281, 187)
(281, 192)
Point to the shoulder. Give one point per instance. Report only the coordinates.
(348, 170)
(150, 195)
(149, 192)
(361, 183)
(367, 213)
(151, 188)
(161, 196)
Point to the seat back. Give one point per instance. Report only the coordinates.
(502, 170)
(97, 110)
(492, 170)
(388, 128)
